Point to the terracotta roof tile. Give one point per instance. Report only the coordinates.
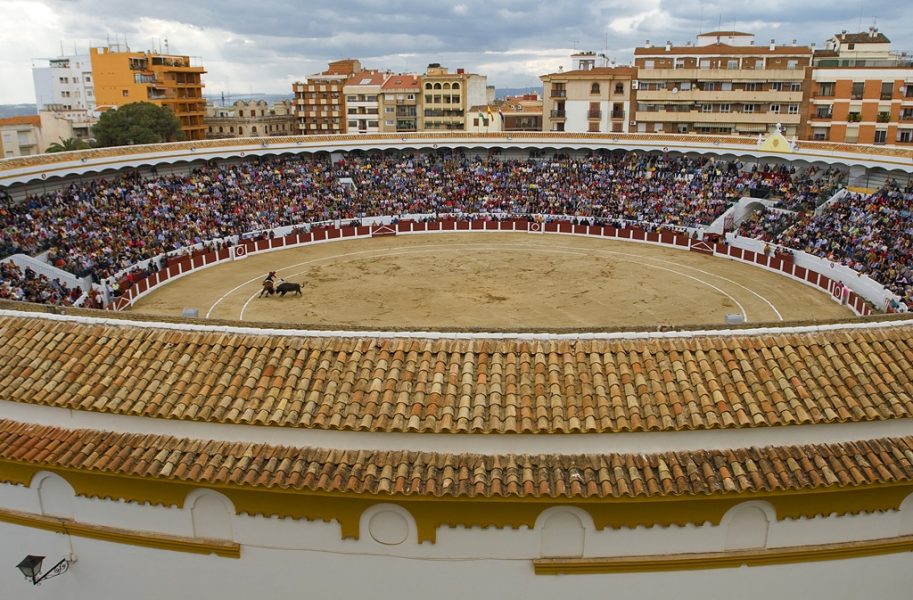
(496, 386)
(744, 470)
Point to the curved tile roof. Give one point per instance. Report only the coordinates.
(461, 386)
(700, 473)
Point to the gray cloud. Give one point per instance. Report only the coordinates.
(264, 45)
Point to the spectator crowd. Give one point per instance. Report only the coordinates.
(102, 227)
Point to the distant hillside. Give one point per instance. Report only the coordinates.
(502, 93)
(229, 98)
(16, 110)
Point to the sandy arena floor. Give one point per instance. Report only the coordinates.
(493, 280)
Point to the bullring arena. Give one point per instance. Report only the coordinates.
(520, 366)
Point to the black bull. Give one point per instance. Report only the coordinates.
(282, 289)
(287, 287)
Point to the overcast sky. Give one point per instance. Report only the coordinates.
(265, 45)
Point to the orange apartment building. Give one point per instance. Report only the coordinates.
(861, 92)
(320, 101)
(723, 84)
(590, 97)
(162, 79)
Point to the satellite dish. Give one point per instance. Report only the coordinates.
(675, 90)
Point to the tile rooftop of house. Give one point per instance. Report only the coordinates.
(461, 386)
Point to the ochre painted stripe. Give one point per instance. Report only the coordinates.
(122, 536)
(723, 560)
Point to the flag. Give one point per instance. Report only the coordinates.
(481, 116)
(501, 114)
(489, 113)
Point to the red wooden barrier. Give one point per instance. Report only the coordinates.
(653, 236)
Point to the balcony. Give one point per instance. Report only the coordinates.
(731, 96)
(721, 75)
(557, 114)
(664, 116)
(594, 114)
(618, 114)
(559, 94)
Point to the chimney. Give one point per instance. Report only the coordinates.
(461, 71)
(668, 46)
(648, 44)
(773, 45)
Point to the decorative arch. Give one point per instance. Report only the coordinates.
(387, 524)
(55, 495)
(746, 525)
(211, 514)
(456, 85)
(562, 532)
(905, 526)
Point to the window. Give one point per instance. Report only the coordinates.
(594, 127)
(751, 87)
(792, 64)
(793, 109)
(776, 86)
(906, 114)
(353, 123)
(125, 93)
(887, 90)
(371, 98)
(880, 136)
(389, 109)
(732, 63)
(823, 112)
(704, 63)
(706, 108)
(619, 88)
(795, 86)
(594, 88)
(853, 117)
(388, 123)
(748, 108)
(819, 134)
(825, 89)
(858, 89)
(351, 98)
(648, 64)
(679, 63)
(905, 136)
(726, 86)
(774, 108)
(725, 108)
(685, 86)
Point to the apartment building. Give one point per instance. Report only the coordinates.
(123, 77)
(20, 136)
(399, 103)
(446, 97)
(722, 84)
(362, 93)
(250, 118)
(320, 100)
(64, 83)
(591, 97)
(861, 91)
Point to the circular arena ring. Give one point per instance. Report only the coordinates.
(462, 403)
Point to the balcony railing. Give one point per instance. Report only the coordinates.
(557, 114)
(618, 114)
(559, 93)
(594, 114)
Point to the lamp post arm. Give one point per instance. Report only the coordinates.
(58, 569)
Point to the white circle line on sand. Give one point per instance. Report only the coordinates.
(497, 246)
(683, 266)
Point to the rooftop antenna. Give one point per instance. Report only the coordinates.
(576, 43)
(166, 46)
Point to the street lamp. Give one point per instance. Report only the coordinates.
(31, 568)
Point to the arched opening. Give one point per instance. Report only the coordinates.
(746, 526)
(562, 534)
(55, 495)
(211, 514)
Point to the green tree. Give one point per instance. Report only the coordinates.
(137, 123)
(68, 145)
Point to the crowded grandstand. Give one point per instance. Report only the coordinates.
(102, 228)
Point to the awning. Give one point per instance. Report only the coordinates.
(752, 127)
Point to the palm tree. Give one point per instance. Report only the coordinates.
(67, 145)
